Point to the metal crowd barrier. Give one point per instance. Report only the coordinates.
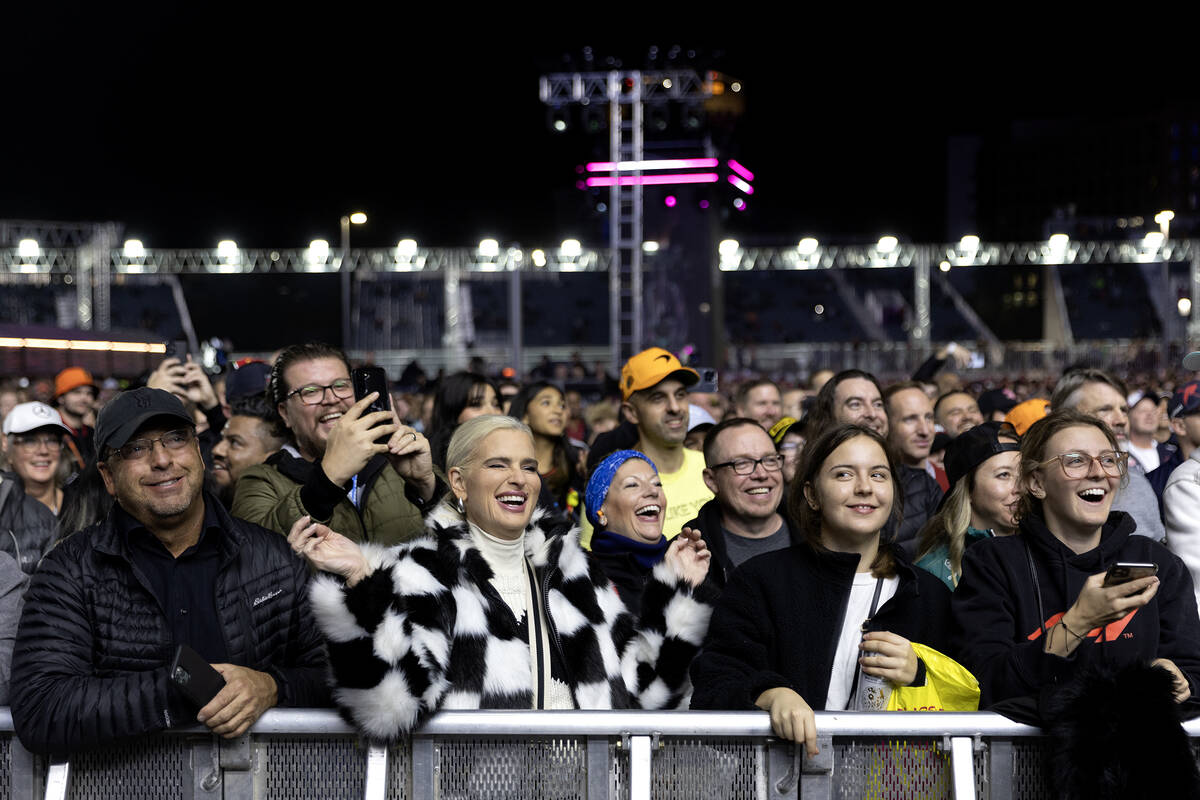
(555, 755)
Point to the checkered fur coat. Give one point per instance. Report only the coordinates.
(427, 631)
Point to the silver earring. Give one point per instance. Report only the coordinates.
(458, 503)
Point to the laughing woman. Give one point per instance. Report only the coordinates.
(496, 607)
(801, 629)
(1031, 610)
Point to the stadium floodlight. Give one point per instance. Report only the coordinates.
(1185, 306)
(358, 218)
(489, 248)
(406, 248)
(1154, 239)
(318, 251)
(650, 247)
(969, 242)
(1058, 241)
(1163, 218)
(728, 247)
(807, 246)
(227, 248)
(28, 248)
(944, 266)
(134, 249)
(570, 248)
(539, 258)
(887, 244)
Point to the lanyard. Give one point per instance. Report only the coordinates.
(866, 622)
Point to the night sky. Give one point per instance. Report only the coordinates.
(190, 126)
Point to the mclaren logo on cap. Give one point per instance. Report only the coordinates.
(629, 381)
(41, 411)
(664, 357)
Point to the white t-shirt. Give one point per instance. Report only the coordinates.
(1146, 456)
(845, 660)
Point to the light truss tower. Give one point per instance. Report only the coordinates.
(625, 92)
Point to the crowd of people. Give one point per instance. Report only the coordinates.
(486, 543)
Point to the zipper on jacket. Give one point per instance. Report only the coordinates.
(545, 602)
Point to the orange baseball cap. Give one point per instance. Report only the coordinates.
(1025, 414)
(72, 378)
(651, 367)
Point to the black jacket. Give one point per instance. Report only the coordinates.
(921, 498)
(708, 522)
(998, 625)
(779, 620)
(94, 647)
(27, 527)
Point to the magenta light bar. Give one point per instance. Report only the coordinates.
(654, 180)
(740, 170)
(663, 163)
(741, 184)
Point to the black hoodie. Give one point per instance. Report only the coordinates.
(998, 625)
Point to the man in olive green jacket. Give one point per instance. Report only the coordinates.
(361, 473)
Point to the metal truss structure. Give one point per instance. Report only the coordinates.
(625, 93)
(514, 264)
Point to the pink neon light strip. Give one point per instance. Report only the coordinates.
(740, 170)
(664, 163)
(654, 180)
(741, 184)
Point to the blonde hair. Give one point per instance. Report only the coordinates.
(949, 526)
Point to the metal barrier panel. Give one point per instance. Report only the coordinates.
(303, 767)
(504, 768)
(154, 768)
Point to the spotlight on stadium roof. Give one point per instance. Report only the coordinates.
(358, 218)
(1059, 240)
(28, 248)
(650, 247)
(133, 249)
(489, 248)
(969, 242)
(539, 258)
(227, 248)
(1185, 306)
(1153, 239)
(728, 247)
(317, 253)
(1057, 252)
(944, 266)
(887, 244)
(570, 248)
(406, 248)
(807, 246)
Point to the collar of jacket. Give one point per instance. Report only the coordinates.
(1116, 529)
(299, 469)
(106, 539)
(542, 534)
(710, 524)
(841, 567)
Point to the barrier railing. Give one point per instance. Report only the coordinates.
(616, 755)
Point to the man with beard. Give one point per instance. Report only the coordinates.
(75, 396)
(957, 411)
(248, 438)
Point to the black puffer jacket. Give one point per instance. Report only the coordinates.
(27, 527)
(94, 647)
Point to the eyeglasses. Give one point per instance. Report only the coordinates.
(1078, 465)
(745, 466)
(27, 441)
(313, 394)
(141, 448)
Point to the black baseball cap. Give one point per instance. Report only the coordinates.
(249, 379)
(124, 414)
(972, 447)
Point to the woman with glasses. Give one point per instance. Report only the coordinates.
(828, 623)
(31, 494)
(1033, 610)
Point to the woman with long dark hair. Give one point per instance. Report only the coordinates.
(458, 398)
(543, 407)
(818, 625)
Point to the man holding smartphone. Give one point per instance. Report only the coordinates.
(109, 606)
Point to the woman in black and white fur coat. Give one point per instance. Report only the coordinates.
(498, 606)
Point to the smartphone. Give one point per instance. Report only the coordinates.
(194, 676)
(372, 379)
(708, 381)
(1126, 571)
(178, 349)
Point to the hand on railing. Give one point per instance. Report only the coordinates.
(328, 550)
(246, 695)
(791, 717)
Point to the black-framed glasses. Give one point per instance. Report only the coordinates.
(745, 466)
(1078, 465)
(314, 393)
(141, 448)
(34, 441)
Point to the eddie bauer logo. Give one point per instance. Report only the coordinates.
(258, 601)
(1112, 631)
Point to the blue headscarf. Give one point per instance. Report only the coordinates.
(602, 478)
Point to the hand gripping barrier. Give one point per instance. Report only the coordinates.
(554, 755)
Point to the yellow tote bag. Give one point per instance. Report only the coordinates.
(949, 686)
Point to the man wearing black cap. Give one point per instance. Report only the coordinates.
(167, 567)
